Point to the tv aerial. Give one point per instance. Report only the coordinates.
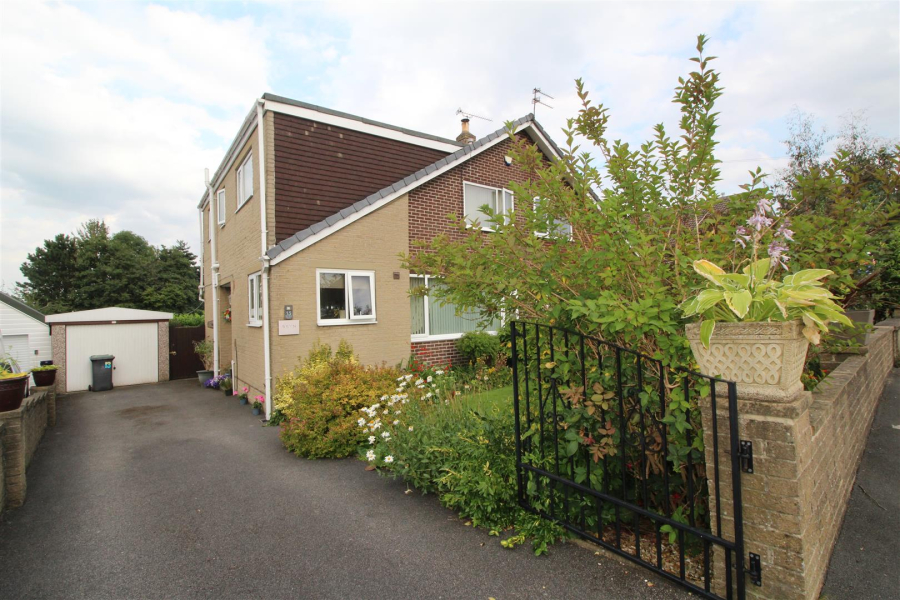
(538, 98)
(469, 115)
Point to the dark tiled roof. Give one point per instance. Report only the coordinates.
(21, 307)
(450, 159)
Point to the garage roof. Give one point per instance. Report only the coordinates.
(106, 315)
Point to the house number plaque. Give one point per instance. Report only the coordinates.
(288, 312)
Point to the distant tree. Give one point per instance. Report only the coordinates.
(93, 269)
(51, 273)
(856, 189)
(175, 278)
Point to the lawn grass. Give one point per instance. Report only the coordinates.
(497, 395)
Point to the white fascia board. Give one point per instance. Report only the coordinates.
(338, 121)
(244, 134)
(298, 247)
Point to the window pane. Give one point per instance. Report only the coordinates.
(221, 206)
(442, 319)
(248, 178)
(507, 202)
(417, 306)
(361, 286)
(259, 311)
(475, 197)
(332, 296)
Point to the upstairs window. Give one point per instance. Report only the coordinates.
(558, 228)
(345, 297)
(254, 302)
(245, 181)
(220, 206)
(475, 196)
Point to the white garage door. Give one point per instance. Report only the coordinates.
(133, 344)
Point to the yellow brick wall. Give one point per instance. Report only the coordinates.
(238, 255)
(372, 243)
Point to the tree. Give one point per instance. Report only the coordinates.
(627, 265)
(94, 269)
(51, 274)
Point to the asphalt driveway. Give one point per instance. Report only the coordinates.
(173, 491)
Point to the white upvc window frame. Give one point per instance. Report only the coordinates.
(500, 192)
(241, 201)
(427, 337)
(254, 299)
(220, 207)
(545, 234)
(350, 319)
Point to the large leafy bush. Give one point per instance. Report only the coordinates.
(476, 345)
(321, 399)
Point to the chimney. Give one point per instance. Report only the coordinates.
(466, 136)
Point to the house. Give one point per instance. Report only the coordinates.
(25, 336)
(303, 224)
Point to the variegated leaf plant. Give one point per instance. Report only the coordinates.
(753, 296)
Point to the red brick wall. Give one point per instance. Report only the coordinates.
(437, 353)
(429, 204)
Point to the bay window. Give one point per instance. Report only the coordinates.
(345, 297)
(433, 319)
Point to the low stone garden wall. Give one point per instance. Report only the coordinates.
(21, 431)
(805, 455)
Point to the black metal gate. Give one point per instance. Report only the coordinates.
(609, 445)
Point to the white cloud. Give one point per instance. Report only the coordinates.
(114, 109)
(116, 119)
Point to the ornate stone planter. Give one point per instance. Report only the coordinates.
(764, 359)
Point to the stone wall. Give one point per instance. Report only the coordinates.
(21, 431)
(162, 349)
(58, 341)
(805, 455)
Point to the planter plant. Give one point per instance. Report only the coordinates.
(204, 349)
(756, 330)
(44, 375)
(12, 384)
(226, 385)
(258, 404)
(243, 397)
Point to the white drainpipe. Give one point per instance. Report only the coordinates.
(263, 233)
(202, 249)
(215, 274)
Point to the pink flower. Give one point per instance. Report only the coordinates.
(246, 389)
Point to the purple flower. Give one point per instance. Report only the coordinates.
(759, 221)
(777, 254)
(764, 206)
(784, 232)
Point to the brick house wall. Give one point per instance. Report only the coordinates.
(429, 206)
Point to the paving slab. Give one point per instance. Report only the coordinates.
(173, 491)
(865, 559)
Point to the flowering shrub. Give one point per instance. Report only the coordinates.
(457, 445)
(258, 402)
(215, 383)
(321, 402)
(755, 295)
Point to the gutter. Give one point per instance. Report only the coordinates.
(215, 276)
(202, 253)
(263, 238)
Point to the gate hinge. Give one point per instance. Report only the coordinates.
(746, 456)
(755, 570)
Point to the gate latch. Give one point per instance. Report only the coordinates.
(746, 456)
(755, 570)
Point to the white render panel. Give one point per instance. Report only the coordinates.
(133, 344)
(15, 323)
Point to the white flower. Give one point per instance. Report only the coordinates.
(410, 427)
(439, 372)
(361, 422)
(457, 392)
(389, 459)
(395, 423)
(429, 395)
(396, 412)
(376, 424)
(371, 439)
(429, 378)
(408, 377)
(385, 411)
(370, 455)
(420, 381)
(386, 435)
(385, 397)
(421, 387)
(400, 378)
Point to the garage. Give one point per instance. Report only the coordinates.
(139, 340)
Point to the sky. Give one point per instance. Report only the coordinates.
(112, 110)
